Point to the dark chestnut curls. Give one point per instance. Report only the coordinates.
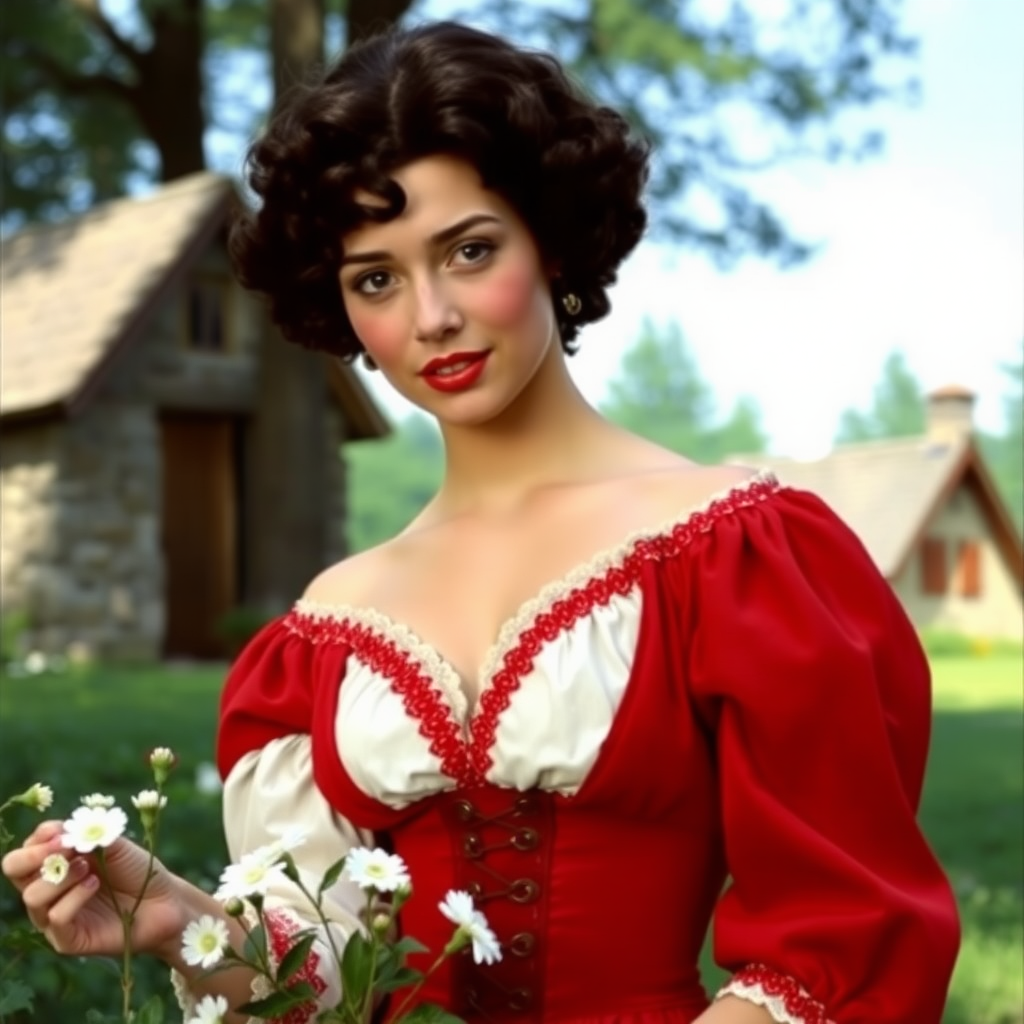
(570, 167)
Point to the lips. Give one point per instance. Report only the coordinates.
(454, 372)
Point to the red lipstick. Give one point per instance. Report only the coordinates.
(455, 372)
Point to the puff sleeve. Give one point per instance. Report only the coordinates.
(816, 693)
(264, 753)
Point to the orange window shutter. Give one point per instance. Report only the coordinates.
(970, 568)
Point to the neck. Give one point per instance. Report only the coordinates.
(548, 435)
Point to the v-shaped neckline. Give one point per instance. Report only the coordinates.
(539, 619)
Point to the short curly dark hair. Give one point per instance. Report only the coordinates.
(570, 167)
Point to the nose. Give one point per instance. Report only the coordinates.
(437, 316)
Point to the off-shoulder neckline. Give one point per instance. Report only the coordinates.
(443, 673)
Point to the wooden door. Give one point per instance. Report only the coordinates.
(200, 530)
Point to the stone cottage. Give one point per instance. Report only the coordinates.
(930, 515)
(155, 476)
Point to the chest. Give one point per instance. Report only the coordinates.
(473, 590)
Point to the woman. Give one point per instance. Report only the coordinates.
(592, 679)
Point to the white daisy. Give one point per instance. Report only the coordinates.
(149, 800)
(97, 800)
(37, 796)
(472, 926)
(92, 827)
(376, 869)
(203, 942)
(162, 757)
(54, 869)
(254, 874)
(210, 1010)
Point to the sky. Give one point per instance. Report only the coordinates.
(921, 249)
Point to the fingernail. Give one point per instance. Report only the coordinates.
(91, 882)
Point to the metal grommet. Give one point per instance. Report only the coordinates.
(522, 944)
(524, 890)
(520, 999)
(472, 846)
(526, 839)
(465, 810)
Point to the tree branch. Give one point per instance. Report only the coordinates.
(368, 17)
(72, 84)
(91, 10)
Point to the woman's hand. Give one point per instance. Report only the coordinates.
(76, 915)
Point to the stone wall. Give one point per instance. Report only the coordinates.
(81, 549)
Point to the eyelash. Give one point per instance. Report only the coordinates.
(487, 249)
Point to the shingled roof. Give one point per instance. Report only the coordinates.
(889, 491)
(77, 293)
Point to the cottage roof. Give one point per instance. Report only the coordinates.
(76, 293)
(888, 491)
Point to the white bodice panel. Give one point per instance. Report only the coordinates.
(549, 735)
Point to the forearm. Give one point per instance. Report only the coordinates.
(234, 984)
(733, 1010)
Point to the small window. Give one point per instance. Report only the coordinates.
(205, 321)
(933, 566)
(968, 569)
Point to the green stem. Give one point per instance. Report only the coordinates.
(397, 1016)
(126, 929)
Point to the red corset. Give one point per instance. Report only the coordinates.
(582, 930)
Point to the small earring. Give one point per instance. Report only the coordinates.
(368, 362)
(572, 304)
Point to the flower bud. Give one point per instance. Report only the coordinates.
(381, 923)
(234, 907)
(162, 760)
(37, 796)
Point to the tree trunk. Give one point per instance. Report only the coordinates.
(169, 95)
(288, 501)
(369, 17)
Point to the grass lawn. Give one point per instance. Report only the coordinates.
(92, 732)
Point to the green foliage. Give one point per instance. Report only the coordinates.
(661, 395)
(73, 133)
(972, 812)
(391, 480)
(898, 408)
(14, 626)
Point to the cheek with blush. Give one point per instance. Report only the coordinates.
(511, 296)
(383, 334)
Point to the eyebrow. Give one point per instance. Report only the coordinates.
(435, 240)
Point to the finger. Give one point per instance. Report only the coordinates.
(22, 865)
(66, 909)
(39, 894)
(44, 832)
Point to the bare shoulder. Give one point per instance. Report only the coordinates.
(353, 580)
(686, 486)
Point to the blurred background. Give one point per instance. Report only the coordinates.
(832, 287)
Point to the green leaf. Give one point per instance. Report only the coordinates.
(356, 962)
(407, 945)
(331, 875)
(276, 1004)
(151, 1012)
(15, 996)
(255, 948)
(95, 1017)
(402, 978)
(294, 959)
(429, 1013)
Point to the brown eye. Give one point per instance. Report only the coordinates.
(373, 283)
(473, 252)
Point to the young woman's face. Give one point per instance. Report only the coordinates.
(450, 299)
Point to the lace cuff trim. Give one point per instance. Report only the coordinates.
(782, 996)
(281, 926)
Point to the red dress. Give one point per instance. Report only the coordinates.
(723, 720)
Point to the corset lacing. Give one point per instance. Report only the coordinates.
(502, 844)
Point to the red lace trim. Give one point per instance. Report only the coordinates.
(579, 602)
(468, 763)
(420, 698)
(786, 994)
(280, 929)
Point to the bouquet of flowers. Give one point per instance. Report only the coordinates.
(371, 963)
